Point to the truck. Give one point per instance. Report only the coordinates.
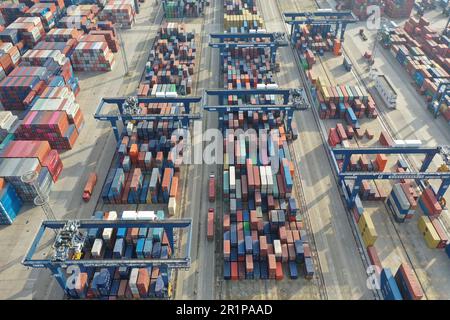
(347, 64)
(89, 187)
(386, 91)
(212, 187)
(210, 225)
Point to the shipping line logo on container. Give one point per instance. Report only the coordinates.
(373, 280)
(374, 17)
(211, 147)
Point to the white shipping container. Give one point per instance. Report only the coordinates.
(146, 215)
(277, 248)
(262, 173)
(97, 248)
(413, 143)
(108, 232)
(172, 206)
(133, 280)
(269, 178)
(232, 178)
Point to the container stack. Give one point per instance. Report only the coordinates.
(183, 8)
(11, 11)
(407, 283)
(21, 157)
(345, 102)
(52, 126)
(425, 56)
(28, 29)
(125, 243)
(10, 203)
(92, 55)
(402, 202)
(172, 62)
(120, 12)
(359, 8)
(389, 287)
(17, 93)
(248, 68)
(262, 224)
(60, 5)
(110, 38)
(367, 229)
(145, 170)
(241, 16)
(397, 9)
(433, 232)
(81, 17)
(47, 12)
(63, 35)
(429, 203)
(9, 58)
(66, 47)
(317, 38)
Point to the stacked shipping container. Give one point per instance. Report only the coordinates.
(425, 56)
(171, 63)
(262, 224)
(183, 8)
(125, 243)
(121, 12)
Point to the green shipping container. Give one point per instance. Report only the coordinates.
(275, 187)
(226, 182)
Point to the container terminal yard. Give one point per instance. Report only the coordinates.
(334, 190)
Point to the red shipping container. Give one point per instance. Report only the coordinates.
(279, 271)
(410, 279)
(249, 263)
(373, 257)
(143, 282)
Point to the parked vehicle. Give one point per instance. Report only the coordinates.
(210, 225)
(89, 187)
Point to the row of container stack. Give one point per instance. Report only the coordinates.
(183, 8)
(124, 243)
(171, 63)
(424, 54)
(145, 170)
(264, 236)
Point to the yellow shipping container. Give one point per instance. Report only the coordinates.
(432, 239)
(365, 222)
(369, 237)
(326, 94)
(425, 224)
(225, 161)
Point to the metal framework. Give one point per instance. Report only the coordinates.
(295, 96)
(340, 18)
(244, 40)
(439, 97)
(56, 266)
(358, 177)
(120, 116)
